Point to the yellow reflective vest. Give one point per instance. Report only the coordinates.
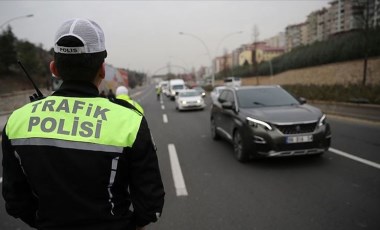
(130, 101)
(89, 120)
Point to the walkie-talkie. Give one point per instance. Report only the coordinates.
(36, 96)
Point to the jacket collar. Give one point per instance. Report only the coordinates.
(77, 89)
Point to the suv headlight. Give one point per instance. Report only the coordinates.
(322, 120)
(254, 122)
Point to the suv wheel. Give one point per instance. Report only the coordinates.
(240, 150)
(214, 133)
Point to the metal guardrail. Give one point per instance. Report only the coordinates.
(14, 100)
(368, 112)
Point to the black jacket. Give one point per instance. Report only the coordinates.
(55, 186)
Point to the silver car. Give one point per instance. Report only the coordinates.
(267, 121)
(189, 99)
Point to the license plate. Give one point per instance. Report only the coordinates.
(299, 139)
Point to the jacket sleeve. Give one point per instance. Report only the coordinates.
(19, 199)
(146, 187)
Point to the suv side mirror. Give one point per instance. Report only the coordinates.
(302, 100)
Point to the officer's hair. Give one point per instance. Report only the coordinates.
(78, 67)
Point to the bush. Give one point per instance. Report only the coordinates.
(339, 93)
(341, 47)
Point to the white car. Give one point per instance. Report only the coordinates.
(232, 81)
(189, 99)
(215, 93)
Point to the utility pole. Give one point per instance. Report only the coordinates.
(255, 37)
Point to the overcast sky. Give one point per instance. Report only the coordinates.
(144, 35)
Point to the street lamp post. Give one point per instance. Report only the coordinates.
(270, 68)
(208, 53)
(183, 61)
(221, 41)
(15, 18)
(224, 38)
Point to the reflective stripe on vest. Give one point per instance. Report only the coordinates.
(88, 120)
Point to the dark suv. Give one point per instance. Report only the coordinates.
(267, 121)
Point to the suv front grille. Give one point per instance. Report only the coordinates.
(297, 128)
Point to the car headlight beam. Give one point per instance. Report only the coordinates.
(322, 120)
(253, 121)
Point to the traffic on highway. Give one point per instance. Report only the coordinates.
(208, 189)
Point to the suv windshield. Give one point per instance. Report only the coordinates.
(177, 87)
(259, 97)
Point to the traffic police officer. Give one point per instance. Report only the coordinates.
(75, 160)
(122, 93)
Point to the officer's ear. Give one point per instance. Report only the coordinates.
(53, 69)
(100, 75)
(102, 71)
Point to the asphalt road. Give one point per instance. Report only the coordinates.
(211, 190)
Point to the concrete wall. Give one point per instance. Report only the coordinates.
(339, 73)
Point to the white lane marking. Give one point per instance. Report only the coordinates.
(145, 92)
(162, 107)
(179, 182)
(165, 118)
(1, 180)
(355, 158)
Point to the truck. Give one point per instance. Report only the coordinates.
(175, 85)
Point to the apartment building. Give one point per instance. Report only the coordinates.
(235, 57)
(245, 54)
(312, 27)
(277, 41)
(223, 63)
(267, 53)
(341, 16)
(296, 35)
(373, 12)
(317, 26)
(263, 53)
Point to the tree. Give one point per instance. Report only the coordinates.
(225, 66)
(27, 54)
(255, 38)
(8, 55)
(135, 78)
(366, 21)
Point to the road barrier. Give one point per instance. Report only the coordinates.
(368, 112)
